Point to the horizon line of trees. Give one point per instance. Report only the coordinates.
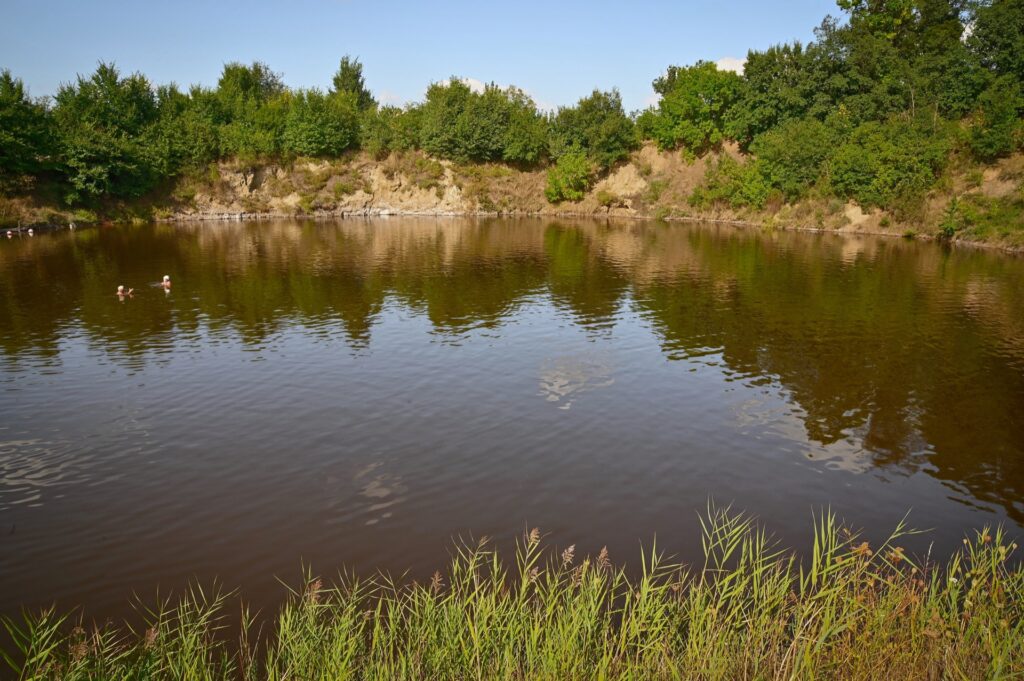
(872, 110)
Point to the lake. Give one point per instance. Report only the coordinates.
(359, 394)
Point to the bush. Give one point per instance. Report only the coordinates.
(570, 177)
(793, 154)
(607, 199)
(996, 128)
(732, 183)
(952, 220)
(883, 164)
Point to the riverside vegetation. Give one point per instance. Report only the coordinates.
(848, 611)
(904, 115)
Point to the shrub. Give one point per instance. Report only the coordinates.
(952, 220)
(570, 177)
(996, 128)
(793, 154)
(732, 183)
(608, 199)
(885, 163)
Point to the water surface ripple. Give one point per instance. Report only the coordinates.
(356, 394)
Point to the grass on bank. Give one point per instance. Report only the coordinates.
(848, 610)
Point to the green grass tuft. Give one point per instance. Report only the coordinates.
(750, 610)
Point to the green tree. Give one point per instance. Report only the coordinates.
(348, 79)
(792, 155)
(24, 132)
(997, 37)
(598, 126)
(103, 124)
(440, 132)
(255, 105)
(321, 125)
(882, 164)
(792, 81)
(695, 101)
(996, 128)
(498, 124)
(186, 133)
(525, 138)
(389, 128)
(243, 88)
(890, 18)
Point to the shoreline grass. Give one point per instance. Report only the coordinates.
(751, 610)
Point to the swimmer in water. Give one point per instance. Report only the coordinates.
(166, 283)
(122, 292)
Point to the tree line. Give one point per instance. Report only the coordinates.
(873, 109)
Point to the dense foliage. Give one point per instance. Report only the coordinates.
(23, 131)
(494, 125)
(569, 179)
(873, 110)
(693, 107)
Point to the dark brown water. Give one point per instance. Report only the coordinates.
(356, 394)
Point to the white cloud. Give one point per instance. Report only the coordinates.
(390, 98)
(731, 64)
(475, 85)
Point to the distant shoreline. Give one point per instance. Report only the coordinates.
(650, 185)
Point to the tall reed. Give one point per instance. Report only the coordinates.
(750, 610)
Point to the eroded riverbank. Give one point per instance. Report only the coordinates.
(650, 185)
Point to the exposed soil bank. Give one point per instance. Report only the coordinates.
(650, 185)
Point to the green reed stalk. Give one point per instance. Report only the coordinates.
(750, 610)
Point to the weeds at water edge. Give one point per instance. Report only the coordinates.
(751, 610)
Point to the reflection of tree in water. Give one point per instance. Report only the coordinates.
(892, 345)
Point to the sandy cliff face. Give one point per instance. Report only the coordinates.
(414, 184)
(650, 184)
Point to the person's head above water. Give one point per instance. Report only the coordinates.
(167, 279)
(120, 289)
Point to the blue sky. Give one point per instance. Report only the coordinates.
(556, 51)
